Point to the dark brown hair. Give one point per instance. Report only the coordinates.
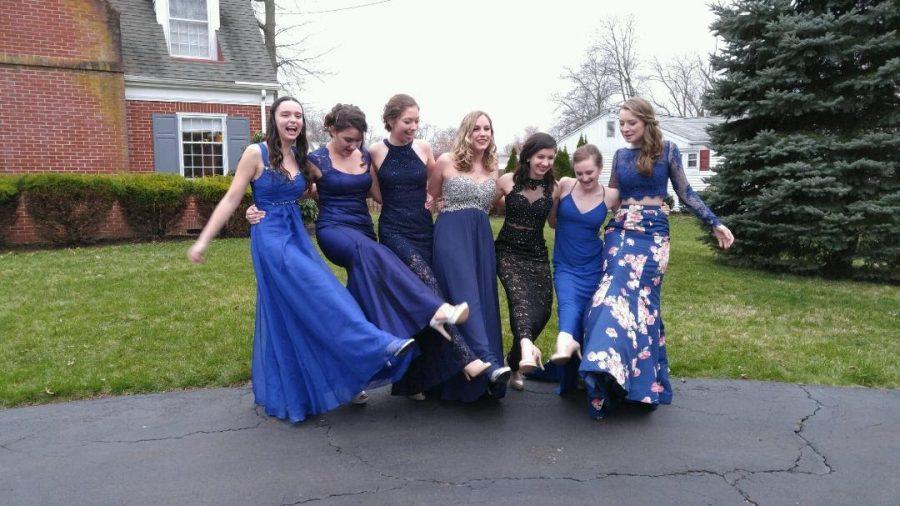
(344, 116)
(394, 108)
(534, 143)
(273, 141)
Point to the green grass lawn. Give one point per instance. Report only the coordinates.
(82, 322)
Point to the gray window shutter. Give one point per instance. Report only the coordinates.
(165, 143)
(238, 129)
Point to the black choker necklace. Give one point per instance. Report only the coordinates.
(532, 184)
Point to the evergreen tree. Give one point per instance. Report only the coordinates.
(513, 161)
(582, 140)
(562, 165)
(809, 180)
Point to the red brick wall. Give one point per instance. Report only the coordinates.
(140, 125)
(65, 32)
(62, 107)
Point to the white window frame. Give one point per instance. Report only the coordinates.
(687, 161)
(221, 117)
(212, 20)
(610, 129)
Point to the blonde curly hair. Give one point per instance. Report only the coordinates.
(462, 151)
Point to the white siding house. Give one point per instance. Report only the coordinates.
(689, 134)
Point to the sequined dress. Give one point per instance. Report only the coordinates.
(522, 263)
(405, 227)
(465, 267)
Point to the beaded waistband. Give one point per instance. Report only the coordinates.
(279, 203)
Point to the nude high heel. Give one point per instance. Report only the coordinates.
(475, 369)
(531, 357)
(566, 346)
(453, 315)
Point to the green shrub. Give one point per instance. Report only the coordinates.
(309, 210)
(209, 191)
(151, 203)
(68, 209)
(9, 192)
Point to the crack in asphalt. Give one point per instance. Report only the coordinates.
(742, 474)
(182, 436)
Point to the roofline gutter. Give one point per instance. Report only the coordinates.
(193, 83)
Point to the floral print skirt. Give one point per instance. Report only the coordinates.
(624, 336)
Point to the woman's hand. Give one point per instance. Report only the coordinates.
(195, 253)
(724, 236)
(254, 215)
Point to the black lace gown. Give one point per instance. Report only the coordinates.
(522, 263)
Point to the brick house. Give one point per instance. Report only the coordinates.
(98, 86)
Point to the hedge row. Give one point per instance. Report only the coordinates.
(71, 209)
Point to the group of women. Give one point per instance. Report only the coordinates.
(420, 309)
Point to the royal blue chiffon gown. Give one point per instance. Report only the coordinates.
(405, 227)
(577, 267)
(390, 295)
(313, 348)
(465, 266)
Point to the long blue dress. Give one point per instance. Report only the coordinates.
(406, 228)
(390, 295)
(465, 266)
(625, 342)
(313, 348)
(577, 266)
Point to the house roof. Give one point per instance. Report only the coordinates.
(146, 55)
(691, 129)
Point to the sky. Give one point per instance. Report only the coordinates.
(454, 56)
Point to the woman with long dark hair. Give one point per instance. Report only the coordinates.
(313, 348)
(530, 192)
(624, 344)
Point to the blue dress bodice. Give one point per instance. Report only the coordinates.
(578, 246)
(273, 189)
(342, 196)
(632, 185)
(402, 178)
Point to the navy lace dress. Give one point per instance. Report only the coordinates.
(406, 228)
(313, 348)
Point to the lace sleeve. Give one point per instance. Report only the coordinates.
(685, 193)
(614, 174)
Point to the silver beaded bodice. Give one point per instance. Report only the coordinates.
(462, 192)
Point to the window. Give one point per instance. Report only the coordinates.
(610, 128)
(202, 145)
(692, 160)
(189, 33)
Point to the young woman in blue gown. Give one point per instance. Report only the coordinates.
(465, 184)
(577, 217)
(313, 348)
(624, 343)
(402, 164)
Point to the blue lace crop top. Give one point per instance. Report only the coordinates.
(631, 184)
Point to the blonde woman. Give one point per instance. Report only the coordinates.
(465, 180)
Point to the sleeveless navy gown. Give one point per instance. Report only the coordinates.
(405, 227)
